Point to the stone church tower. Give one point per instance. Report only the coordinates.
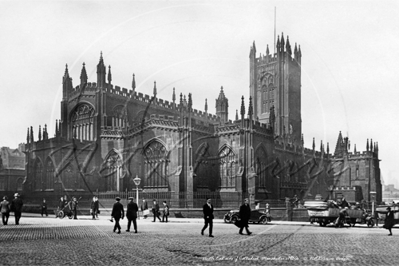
(275, 83)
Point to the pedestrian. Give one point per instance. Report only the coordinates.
(295, 201)
(98, 208)
(208, 217)
(16, 206)
(44, 207)
(155, 210)
(268, 215)
(94, 208)
(131, 214)
(117, 214)
(74, 207)
(144, 208)
(165, 212)
(245, 215)
(5, 210)
(389, 221)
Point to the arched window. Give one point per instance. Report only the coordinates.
(49, 180)
(82, 119)
(271, 92)
(227, 168)
(112, 171)
(202, 167)
(38, 175)
(264, 98)
(119, 118)
(156, 160)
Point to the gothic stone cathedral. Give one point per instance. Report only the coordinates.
(108, 135)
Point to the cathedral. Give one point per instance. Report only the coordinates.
(108, 135)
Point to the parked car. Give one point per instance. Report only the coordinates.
(257, 216)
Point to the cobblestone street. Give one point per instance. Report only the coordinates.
(50, 241)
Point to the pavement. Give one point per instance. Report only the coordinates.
(191, 220)
(53, 241)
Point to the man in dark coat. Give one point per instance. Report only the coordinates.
(17, 207)
(155, 210)
(389, 221)
(131, 214)
(74, 208)
(208, 217)
(117, 213)
(245, 215)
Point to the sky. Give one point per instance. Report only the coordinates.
(349, 53)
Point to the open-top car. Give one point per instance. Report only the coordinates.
(257, 216)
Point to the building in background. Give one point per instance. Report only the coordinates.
(12, 170)
(390, 194)
(108, 135)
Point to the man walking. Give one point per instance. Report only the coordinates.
(245, 215)
(208, 217)
(165, 212)
(131, 214)
(155, 210)
(117, 214)
(17, 207)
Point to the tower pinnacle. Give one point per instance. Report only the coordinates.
(134, 83)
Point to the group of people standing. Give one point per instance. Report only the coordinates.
(73, 206)
(118, 213)
(14, 206)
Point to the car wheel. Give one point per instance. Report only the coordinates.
(227, 220)
(234, 219)
(264, 220)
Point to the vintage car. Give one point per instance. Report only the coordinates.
(257, 216)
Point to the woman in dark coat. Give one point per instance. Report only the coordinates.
(389, 221)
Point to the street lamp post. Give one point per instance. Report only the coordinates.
(137, 183)
(372, 194)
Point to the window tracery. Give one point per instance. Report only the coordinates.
(82, 120)
(156, 165)
(113, 171)
(227, 168)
